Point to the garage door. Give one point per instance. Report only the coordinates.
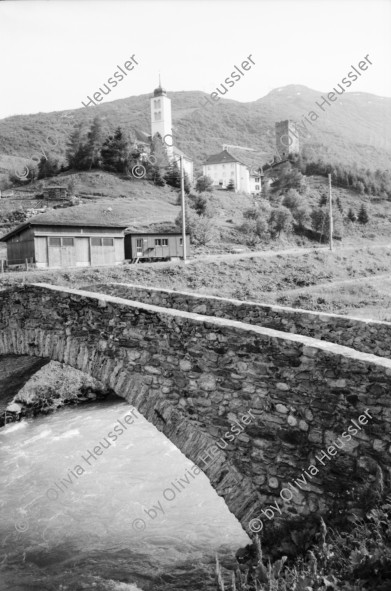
(61, 252)
(102, 251)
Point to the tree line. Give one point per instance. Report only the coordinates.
(373, 183)
(116, 152)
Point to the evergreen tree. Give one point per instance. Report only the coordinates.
(351, 215)
(339, 204)
(363, 217)
(323, 200)
(73, 146)
(320, 222)
(155, 175)
(173, 177)
(94, 143)
(360, 187)
(115, 153)
(158, 161)
(159, 152)
(47, 167)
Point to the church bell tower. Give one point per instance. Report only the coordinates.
(161, 117)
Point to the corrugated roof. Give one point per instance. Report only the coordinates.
(45, 220)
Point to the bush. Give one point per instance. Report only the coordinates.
(204, 183)
(302, 216)
(290, 177)
(352, 560)
(202, 205)
(320, 222)
(199, 227)
(255, 230)
(299, 207)
(256, 223)
(292, 200)
(72, 185)
(281, 220)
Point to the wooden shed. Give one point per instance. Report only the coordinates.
(149, 245)
(55, 192)
(65, 244)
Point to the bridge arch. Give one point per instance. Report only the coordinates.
(137, 390)
(194, 376)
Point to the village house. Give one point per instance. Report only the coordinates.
(224, 167)
(54, 244)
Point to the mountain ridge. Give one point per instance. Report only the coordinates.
(355, 130)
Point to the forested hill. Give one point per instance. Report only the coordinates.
(353, 130)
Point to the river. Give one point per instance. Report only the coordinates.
(64, 528)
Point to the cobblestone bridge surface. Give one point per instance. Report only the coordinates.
(199, 377)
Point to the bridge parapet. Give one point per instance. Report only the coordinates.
(368, 336)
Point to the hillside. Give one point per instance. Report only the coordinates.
(108, 198)
(354, 130)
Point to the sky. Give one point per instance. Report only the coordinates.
(56, 53)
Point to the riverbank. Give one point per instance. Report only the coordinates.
(48, 388)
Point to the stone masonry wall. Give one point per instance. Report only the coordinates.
(192, 376)
(369, 336)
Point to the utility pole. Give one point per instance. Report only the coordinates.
(330, 214)
(183, 211)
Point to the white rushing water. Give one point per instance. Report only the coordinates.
(70, 521)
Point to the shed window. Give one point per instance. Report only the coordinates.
(67, 241)
(139, 242)
(54, 241)
(96, 241)
(108, 242)
(161, 241)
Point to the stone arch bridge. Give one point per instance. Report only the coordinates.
(198, 366)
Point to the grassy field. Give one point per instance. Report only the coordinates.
(350, 280)
(107, 197)
(306, 276)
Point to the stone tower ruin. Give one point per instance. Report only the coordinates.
(287, 139)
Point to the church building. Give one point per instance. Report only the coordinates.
(161, 123)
